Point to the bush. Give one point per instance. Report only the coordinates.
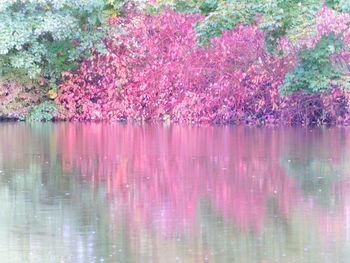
(156, 72)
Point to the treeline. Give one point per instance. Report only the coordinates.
(255, 62)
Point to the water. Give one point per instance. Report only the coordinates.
(126, 193)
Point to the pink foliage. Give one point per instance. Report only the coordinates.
(156, 72)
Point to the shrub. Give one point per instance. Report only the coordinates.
(155, 71)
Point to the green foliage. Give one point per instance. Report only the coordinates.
(315, 71)
(60, 61)
(225, 17)
(339, 5)
(45, 111)
(203, 7)
(41, 38)
(113, 6)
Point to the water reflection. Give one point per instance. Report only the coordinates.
(127, 193)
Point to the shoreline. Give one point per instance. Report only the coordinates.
(168, 123)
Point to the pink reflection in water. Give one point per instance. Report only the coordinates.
(162, 174)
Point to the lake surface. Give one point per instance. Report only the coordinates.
(74, 193)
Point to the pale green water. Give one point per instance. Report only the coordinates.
(122, 193)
